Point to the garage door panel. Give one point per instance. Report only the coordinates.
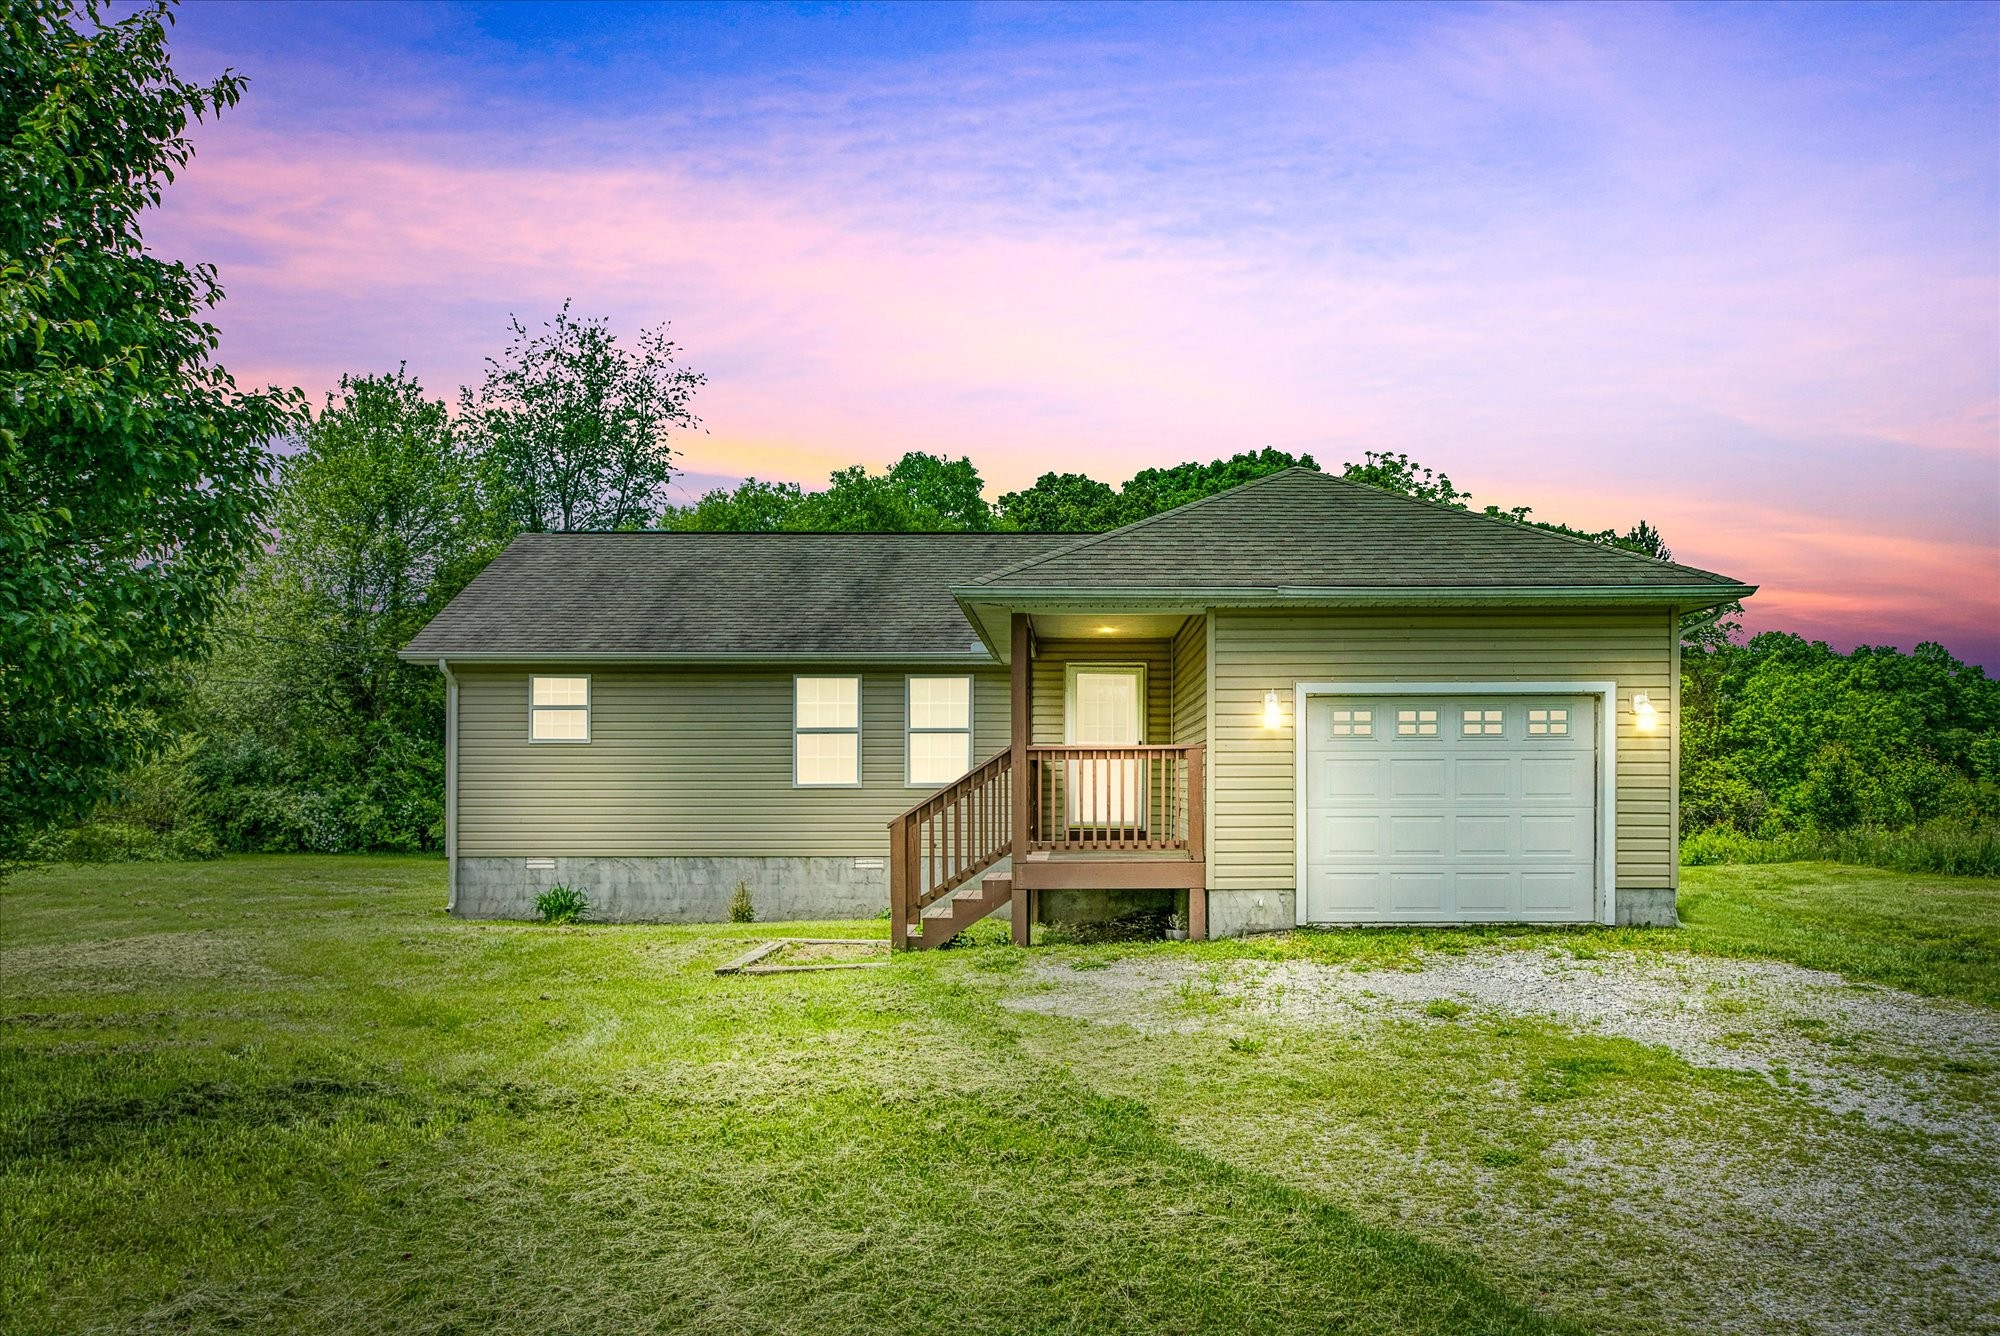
(1565, 893)
(1417, 777)
(1484, 892)
(1418, 836)
(1489, 816)
(1475, 777)
(1556, 778)
(1355, 896)
(1416, 892)
(1344, 837)
(1348, 776)
(1482, 836)
(1561, 836)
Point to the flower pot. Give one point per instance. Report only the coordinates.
(1177, 934)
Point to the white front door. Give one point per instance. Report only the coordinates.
(1106, 708)
(1446, 809)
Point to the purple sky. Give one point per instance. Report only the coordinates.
(1734, 270)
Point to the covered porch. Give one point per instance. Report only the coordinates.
(1102, 787)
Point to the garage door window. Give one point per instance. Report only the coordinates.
(1483, 724)
(1416, 723)
(1545, 723)
(1353, 723)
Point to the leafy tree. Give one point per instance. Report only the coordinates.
(1153, 490)
(573, 430)
(1073, 503)
(1399, 473)
(1061, 503)
(311, 733)
(132, 469)
(919, 493)
(753, 507)
(1784, 734)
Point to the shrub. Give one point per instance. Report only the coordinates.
(740, 908)
(1950, 848)
(562, 904)
(113, 841)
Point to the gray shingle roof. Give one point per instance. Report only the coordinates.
(1301, 530)
(751, 595)
(579, 595)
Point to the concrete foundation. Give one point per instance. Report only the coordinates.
(677, 890)
(1234, 913)
(1647, 908)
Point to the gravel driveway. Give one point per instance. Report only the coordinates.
(1854, 1187)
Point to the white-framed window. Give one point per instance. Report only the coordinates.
(937, 744)
(826, 732)
(1353, 723)
(1483, 723)
(558, 709)
(1416, 723)
(1549, 722)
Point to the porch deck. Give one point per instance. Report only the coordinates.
(1066, 816)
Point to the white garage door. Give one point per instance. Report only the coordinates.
(1440, 809)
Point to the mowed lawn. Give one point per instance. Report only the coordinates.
(292, 1094)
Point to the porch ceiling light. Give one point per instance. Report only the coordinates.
(1106, 630)
(1644, 717)
(1272, 718)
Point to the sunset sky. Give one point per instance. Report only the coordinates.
(1734, 270)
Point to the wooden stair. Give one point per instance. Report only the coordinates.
(947, 918)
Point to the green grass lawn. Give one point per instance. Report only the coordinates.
(292, 1094)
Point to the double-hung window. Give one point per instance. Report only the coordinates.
(826, 731)
(939, 743)
(559, 709)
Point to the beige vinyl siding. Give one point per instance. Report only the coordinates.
(1253, 784)
(1052, 660)
(685, 762)
(1191, 681)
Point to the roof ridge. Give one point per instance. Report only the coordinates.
(791, 533)
(1089, 540)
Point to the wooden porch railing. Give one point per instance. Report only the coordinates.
(950, 838)
(1141, 799)
(1062, 802)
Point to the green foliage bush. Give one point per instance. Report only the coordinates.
(1938, 847)
(740, 908)
(113, 841)
(1782, 737)
(561, 904)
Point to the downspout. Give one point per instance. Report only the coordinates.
(450, 787)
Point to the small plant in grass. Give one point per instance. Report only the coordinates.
(740, 908)
(562, 904)
(1444, 1009)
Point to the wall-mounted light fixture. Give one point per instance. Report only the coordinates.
(1644, 717)
(1272, 718)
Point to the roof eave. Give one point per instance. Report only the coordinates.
(1143, 598)
(953, 658)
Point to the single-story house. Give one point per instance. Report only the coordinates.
(1302, 700)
